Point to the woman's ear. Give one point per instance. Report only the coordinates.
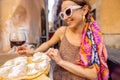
(85, 9)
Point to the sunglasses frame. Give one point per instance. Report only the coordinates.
(71, 9)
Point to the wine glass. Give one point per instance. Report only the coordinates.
(17, 38)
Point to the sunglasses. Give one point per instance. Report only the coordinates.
(68, 11)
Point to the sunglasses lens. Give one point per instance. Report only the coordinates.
(68, 12)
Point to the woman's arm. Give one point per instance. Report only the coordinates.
(55, 38)
(89, 73)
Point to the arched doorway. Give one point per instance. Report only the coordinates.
(43, 27)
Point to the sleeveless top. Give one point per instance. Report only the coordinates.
(69, 53)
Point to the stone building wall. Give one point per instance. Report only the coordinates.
(20, 14)
(110, 22)
(108, 18)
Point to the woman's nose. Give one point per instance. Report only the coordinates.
(65, 17)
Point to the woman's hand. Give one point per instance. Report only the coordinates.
(54, 54)
(23, 50)
(73, 68)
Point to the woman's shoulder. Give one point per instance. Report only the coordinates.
(61, 29)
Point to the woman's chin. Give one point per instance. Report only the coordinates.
(71, 25)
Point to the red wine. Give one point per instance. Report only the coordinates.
(17, 43)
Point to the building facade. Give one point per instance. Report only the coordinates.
(26, 15)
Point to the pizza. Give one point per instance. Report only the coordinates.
(24, 67)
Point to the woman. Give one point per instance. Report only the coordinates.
(82, 54)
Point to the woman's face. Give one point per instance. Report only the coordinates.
(75, 18)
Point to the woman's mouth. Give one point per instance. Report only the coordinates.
(69, 22)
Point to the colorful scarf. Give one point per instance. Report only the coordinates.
(92, 49)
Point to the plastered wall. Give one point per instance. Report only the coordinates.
(20, 14)
(110, 22)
